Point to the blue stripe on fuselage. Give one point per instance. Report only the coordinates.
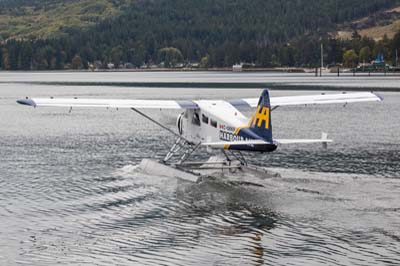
(248, 134)
(254, 148)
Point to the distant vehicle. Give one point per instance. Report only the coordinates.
(217, 124)
(237, 68)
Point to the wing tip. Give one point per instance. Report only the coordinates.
(380, 97)
(27, 101)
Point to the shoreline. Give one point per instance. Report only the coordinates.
(289, 71)
(207, 79)
(273, 86)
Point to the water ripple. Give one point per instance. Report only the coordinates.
(71, 193)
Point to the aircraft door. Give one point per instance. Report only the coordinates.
(188, 124)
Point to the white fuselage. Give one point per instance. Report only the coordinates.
(213, 121)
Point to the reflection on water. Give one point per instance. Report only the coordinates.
(71, 192)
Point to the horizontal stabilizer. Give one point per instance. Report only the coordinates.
(324, 140)
(301, 141)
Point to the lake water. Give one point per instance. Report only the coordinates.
(71, 192)
(377, 81)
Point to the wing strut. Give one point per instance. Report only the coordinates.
(160, 125)
(275, 107)
(179, 144)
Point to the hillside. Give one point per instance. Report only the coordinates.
(376, 26)
(53, 18)
(215, 33)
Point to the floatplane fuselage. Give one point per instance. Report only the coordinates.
(220, 124)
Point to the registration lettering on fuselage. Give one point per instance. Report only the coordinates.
(228, 136)
(226, 128)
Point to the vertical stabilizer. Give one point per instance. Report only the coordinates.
(260, 122)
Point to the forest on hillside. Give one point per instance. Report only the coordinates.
(212, 33)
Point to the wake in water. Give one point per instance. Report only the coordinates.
(336, 212)
(329, 197)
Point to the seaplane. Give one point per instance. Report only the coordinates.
(215, 124)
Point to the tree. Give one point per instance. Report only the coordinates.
(350, 58)
(171, 56)
(387, 51)
(6, 62)
(116, 55)
(25, 56)
(365, 54)
(13, 49)
(396, 41)
(60, 59)
(42, 64)
(137, 56)
(355, 35)
(48, 54)
(1, 58)
(76, 62)
(396, 47)
(205, 62)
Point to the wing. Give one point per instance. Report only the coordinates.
(110, 103)
(312, 99)
(177, 104)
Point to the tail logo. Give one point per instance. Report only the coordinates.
(262, 114)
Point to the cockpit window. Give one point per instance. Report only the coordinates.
(213, 123)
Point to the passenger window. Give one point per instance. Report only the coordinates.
(213, 123)
(204, 119)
